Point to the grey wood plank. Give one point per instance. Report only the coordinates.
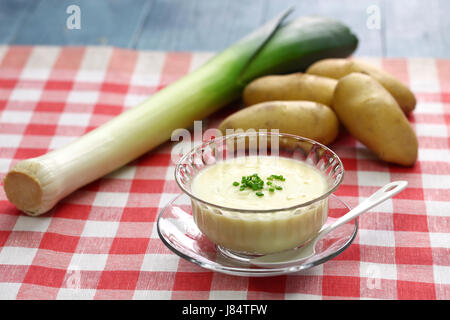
(199, 25)
(408, 27)
(103, 22)
(12, 14)
(417, 28)
(444, 21)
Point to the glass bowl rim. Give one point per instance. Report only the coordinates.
(254, 211)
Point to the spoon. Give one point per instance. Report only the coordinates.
(295, 256)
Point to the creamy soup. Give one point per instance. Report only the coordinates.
(300, 183)
(259, 183)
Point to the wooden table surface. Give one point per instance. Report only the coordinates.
(405, 28)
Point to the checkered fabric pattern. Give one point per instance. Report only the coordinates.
(101, 242)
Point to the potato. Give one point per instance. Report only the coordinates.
(295, 86)
(338, 68)
(303, 118)
(370, 113)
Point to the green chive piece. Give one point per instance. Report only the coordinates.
(278, 188)
(271, 189)
(259, 194)
(253, 182)
(276, 177)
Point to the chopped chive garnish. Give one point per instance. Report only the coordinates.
(255, 183)
(276, 177)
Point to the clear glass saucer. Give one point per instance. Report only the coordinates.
(178, 231)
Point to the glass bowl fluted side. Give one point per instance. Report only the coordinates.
(260, 231)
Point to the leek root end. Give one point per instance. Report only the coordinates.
(24, 191)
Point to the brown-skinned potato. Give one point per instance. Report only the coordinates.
(339, 68)
(295, 86)
(303, 118)
(370, 113)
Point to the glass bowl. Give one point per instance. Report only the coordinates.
(240, 232)
(177, 230)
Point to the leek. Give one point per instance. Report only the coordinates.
(36, 185)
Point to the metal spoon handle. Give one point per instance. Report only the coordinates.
(384, 193)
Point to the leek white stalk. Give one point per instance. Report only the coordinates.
(36, 185)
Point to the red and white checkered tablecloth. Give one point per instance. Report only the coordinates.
(101, 241)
